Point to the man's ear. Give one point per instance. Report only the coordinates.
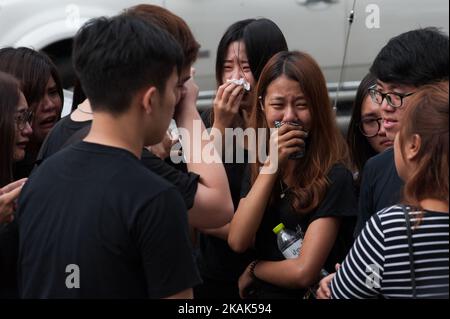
(149, 99)
(413, 147)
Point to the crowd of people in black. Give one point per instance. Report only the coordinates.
(97, 191)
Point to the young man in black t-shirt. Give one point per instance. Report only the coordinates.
(408, 61)
(93, 221)
(203, 185)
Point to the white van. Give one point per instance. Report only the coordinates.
(315, 26)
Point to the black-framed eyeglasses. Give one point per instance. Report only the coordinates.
(394, 99)
(23, 118)
(370, 127)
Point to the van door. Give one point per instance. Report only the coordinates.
(376, 21)
(315, 26)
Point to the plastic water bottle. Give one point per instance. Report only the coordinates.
(288, 241)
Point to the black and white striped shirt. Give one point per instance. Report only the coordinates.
(379, 263)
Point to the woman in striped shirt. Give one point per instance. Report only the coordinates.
(394, 259)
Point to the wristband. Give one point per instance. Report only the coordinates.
(252, 268)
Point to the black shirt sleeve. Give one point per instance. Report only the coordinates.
(340, 198)
(186, 183)
(161, 234)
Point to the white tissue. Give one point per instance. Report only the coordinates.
(242, 82)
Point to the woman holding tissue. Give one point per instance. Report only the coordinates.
(243, 51)
(310, 189)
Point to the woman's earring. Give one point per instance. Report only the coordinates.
(261, 103)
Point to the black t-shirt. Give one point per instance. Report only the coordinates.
(380, 187)
(59, 135)
(339, 201)
(23, 168)
(185, 182)
(216, 259)
(123, 226)
(9, 248)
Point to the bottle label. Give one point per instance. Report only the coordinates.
(293, 250)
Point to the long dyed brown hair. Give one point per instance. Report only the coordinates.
(427, 116)
(326, 145)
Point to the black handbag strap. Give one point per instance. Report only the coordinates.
(411, 250)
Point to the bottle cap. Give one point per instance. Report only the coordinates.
(278, 228)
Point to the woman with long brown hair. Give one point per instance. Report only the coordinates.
(310, 190)
(403, 250)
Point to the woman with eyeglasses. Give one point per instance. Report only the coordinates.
(15, 132)
(404, 248)
(366, 136)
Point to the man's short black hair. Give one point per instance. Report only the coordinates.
(415, 58)
(116, 57)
